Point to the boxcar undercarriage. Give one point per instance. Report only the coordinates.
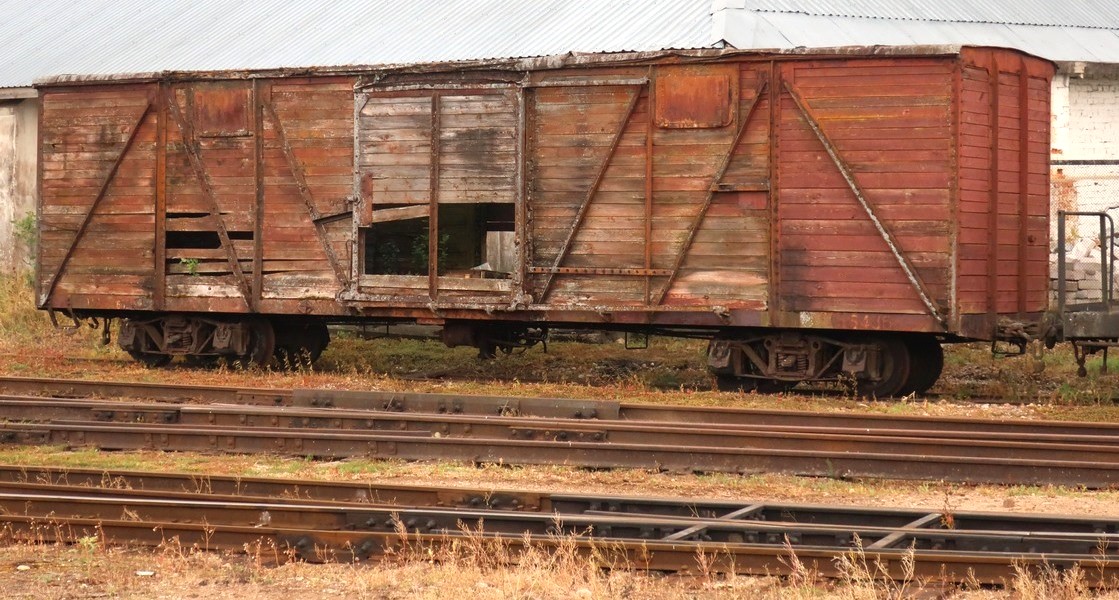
(766, 360)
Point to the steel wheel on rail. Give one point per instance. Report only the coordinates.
(300, 344)
(926, 357)
(152, 360)
(894, 366)
(262, 345)
(734, 383)
(201, 361)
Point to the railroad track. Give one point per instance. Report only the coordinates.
(573, 432)
(315, 521)
(362, 399)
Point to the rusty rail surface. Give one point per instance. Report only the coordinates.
(82, 388)
(318, 521)
(1014, 453)
(529, 406)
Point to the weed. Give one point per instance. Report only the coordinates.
(875, 579)
(26, 233)
(1047, 582)
(191, 265)
(89, 544)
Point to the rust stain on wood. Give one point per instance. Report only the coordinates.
(81, 231)
(675, 189)
(190, 145)
(305, 194)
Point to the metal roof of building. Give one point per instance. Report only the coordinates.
(45, 38)
(1070, 31)
(1079, 13)
(53, 37)
(790, 30)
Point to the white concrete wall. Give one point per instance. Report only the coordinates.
(1093, 116)
(18, 140)
(1085, 127)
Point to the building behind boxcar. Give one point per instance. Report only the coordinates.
(42, 39)
(1081, 37)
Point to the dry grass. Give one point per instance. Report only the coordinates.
(471, 569)
(670, 372)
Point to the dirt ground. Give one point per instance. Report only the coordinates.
(669, 372)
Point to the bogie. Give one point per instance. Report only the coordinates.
(237, 342)
(878, 365)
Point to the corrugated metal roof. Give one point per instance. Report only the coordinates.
(1101, 14)
(43, 38)
(53, 37)
(790, 30)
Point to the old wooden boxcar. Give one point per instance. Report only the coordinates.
(818, 213)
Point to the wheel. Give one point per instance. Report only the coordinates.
(732, 383)
(202, 361)
(262, 346)
(774, 386)
(926, 357)
(894, 364)
(301, 344)
(292, 358)
(319, 339)
(487, 350)
(151, 360)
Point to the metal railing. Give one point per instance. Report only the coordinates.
(1107, 257)
(1081, 189)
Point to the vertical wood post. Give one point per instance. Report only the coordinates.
(773, 304)
(1023, 186)
(159, 251)
(258, 183)
(650, 128)
(993, 198)
(433, 203)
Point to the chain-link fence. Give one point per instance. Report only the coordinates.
(1082, 186)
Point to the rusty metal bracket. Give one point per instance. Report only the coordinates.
(190, 145)
(849, 177)
(66, 329)
(557, 434)
(711, 189)
(139, 121)
(582, 212)
(300, 177)
(600, 271)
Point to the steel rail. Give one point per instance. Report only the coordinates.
(1094, 448)
(419, 445)
(744, 559)
(537, 407)
(262, 489)
(602, 435)
(739, 541)
(204, 509)
(83, 388)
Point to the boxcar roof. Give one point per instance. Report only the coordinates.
(516, 64)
